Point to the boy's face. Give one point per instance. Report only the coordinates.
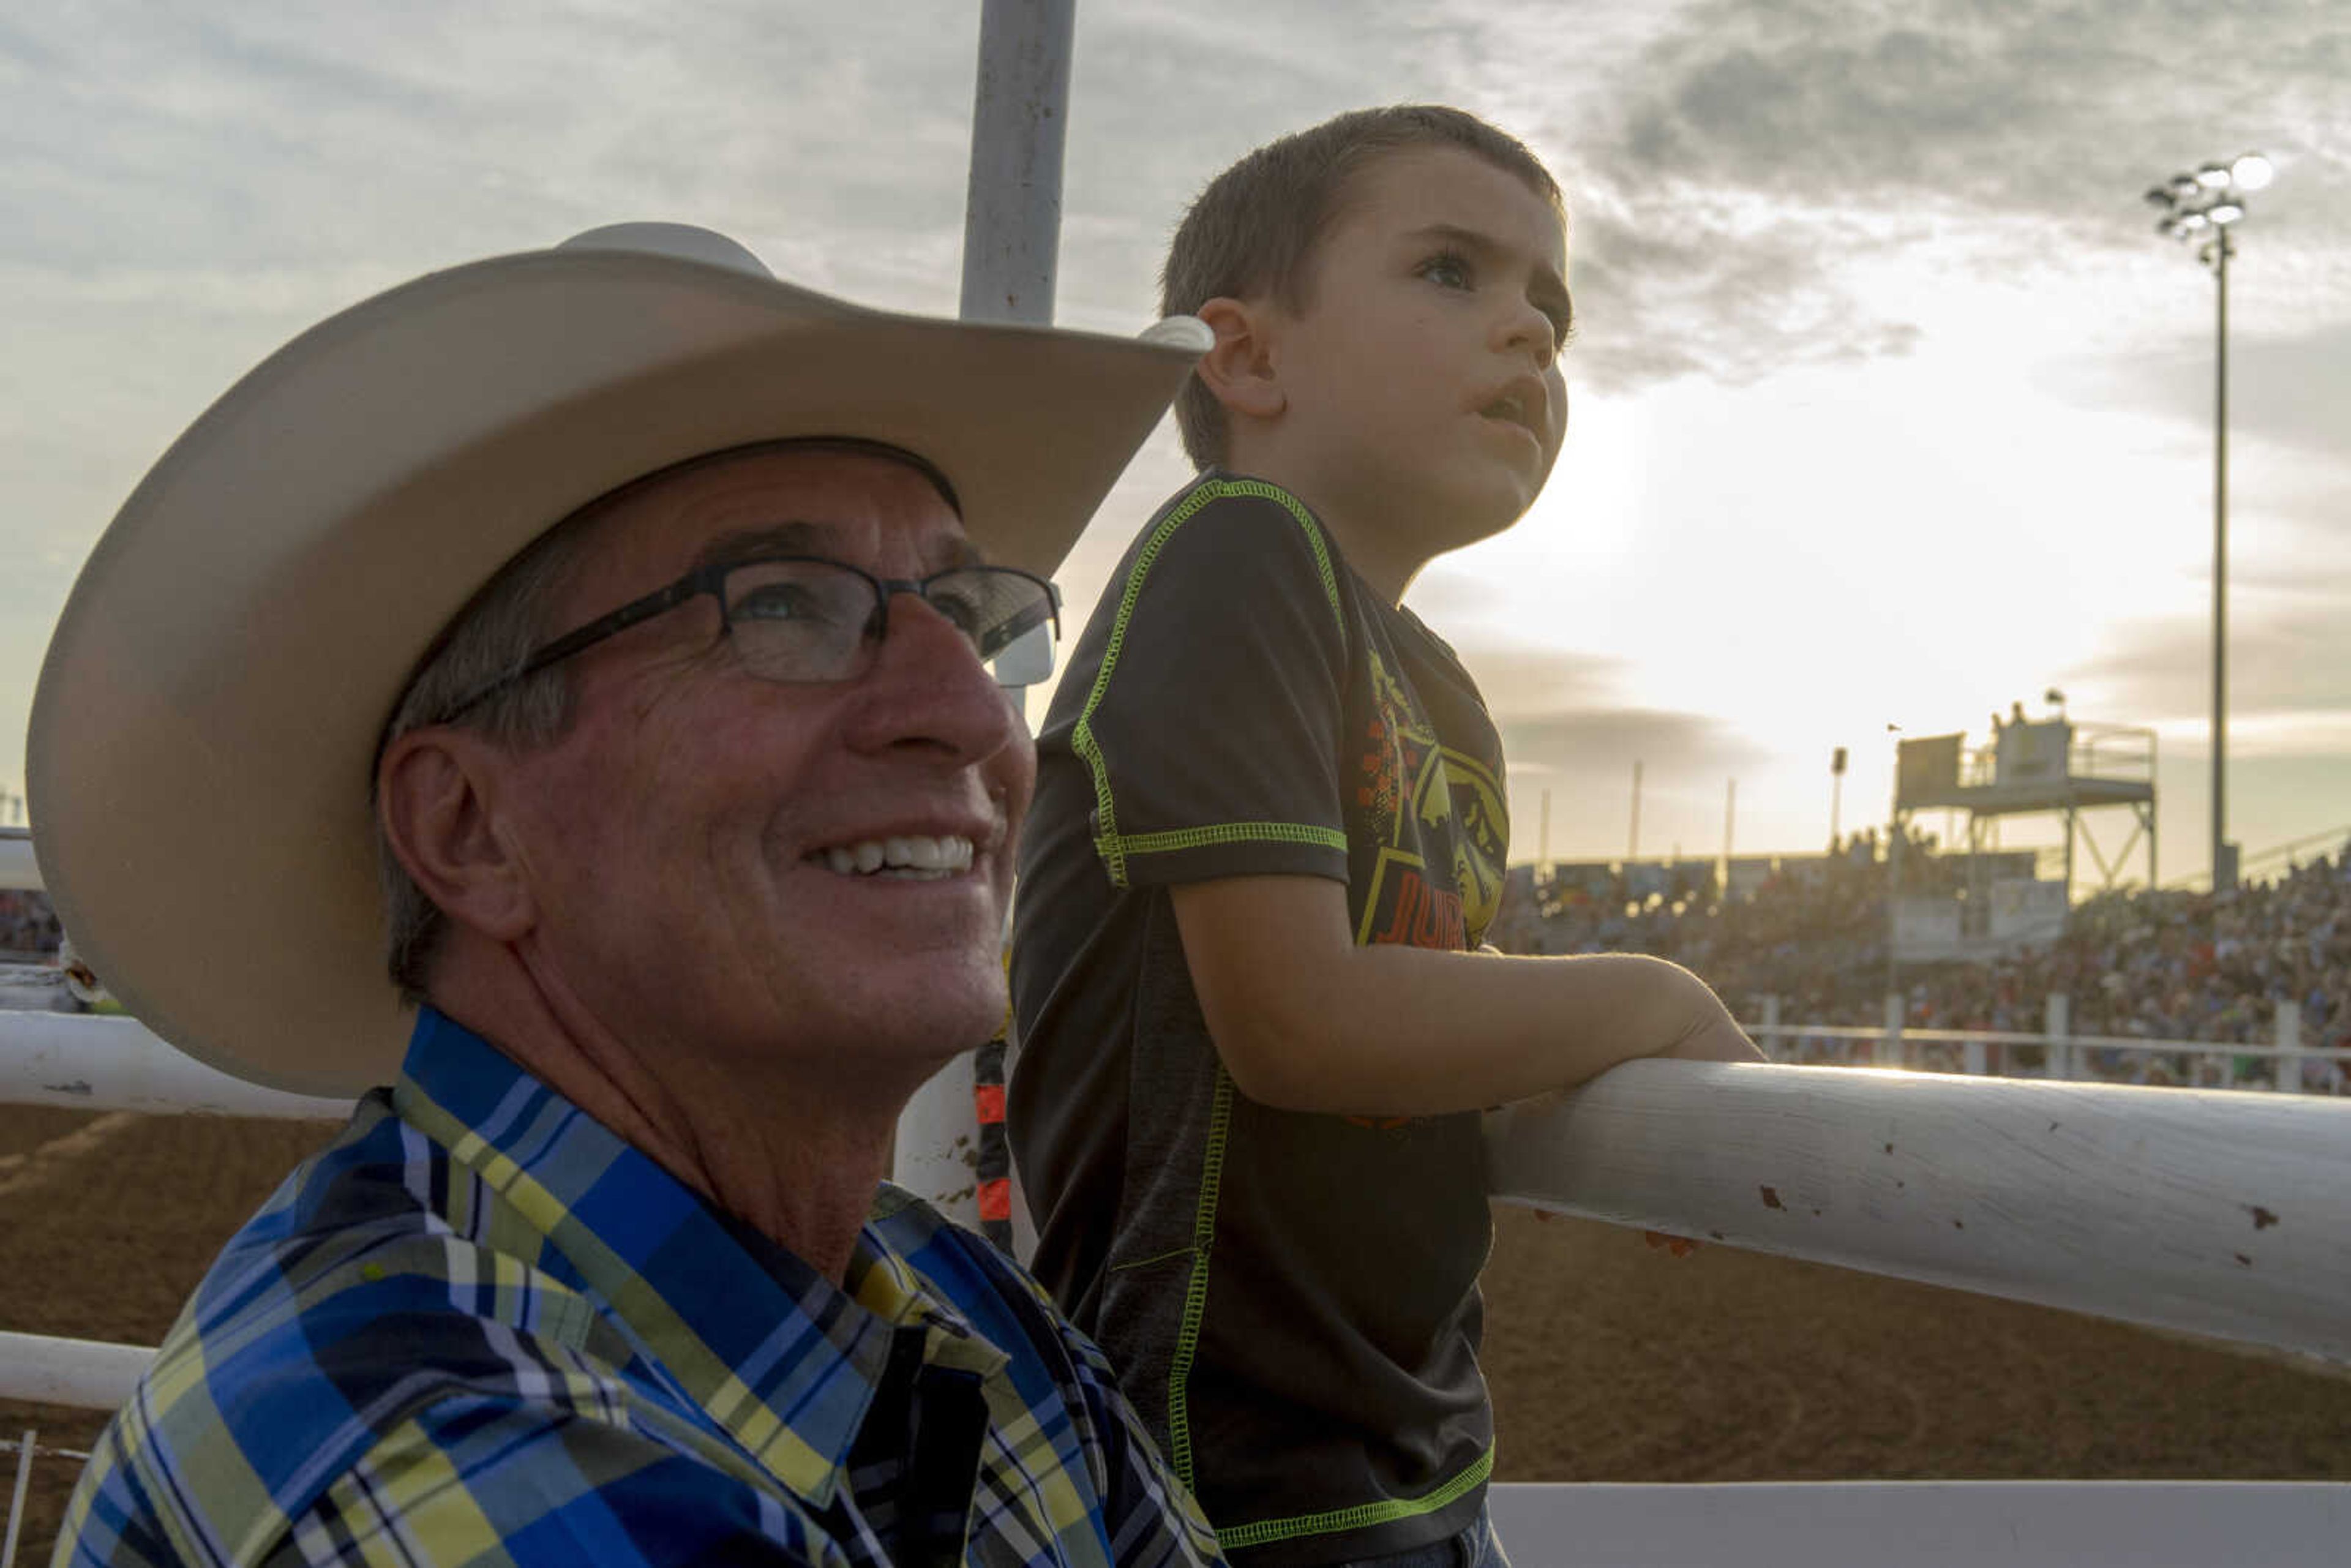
(1422, 400)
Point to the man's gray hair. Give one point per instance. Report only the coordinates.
(499, 628)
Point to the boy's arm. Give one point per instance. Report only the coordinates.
(1307, 1020)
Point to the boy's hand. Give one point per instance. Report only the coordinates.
(1716, 1039)
(1711, 1033)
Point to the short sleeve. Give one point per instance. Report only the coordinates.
(1212, 721)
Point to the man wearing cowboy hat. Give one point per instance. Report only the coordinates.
(634, 612)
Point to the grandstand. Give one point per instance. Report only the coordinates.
(1812, 931)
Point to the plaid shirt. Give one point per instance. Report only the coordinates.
(478, 1328)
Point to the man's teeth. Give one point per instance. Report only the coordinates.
(912, 856)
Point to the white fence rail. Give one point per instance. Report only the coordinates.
(1928, 1524)
(2212, 1212)
(80, 1374)
(2217, 1213)
(2292, 1066)
(86, 1063)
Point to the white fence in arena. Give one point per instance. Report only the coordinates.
(2207, 1211)
(2217, 1213)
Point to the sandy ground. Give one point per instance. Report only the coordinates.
(1609, 1361)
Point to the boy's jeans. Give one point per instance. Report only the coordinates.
(1475, 1547)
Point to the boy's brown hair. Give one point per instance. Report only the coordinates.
(1253, 230)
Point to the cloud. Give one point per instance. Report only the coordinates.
(1750, 160)
(1596, 742)
(1560, 714)
(2293, 663)
(2295, 390)
(142, 137)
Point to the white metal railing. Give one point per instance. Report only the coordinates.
(80, 1374)
(1927, 1524)
(2215, 1213)
(89, 1062)
(1890, 1045)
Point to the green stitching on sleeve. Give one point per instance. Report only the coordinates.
(1231, 833)
(1195, 1290)
(1360, 1517)
(1109, 843)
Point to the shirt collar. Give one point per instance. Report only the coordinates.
(783, 1359)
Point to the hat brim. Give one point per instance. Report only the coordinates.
(206, 718)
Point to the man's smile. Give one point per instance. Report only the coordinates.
(912, 856)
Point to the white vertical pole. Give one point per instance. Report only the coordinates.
(1889, 1047)
(1632, 842)
(2056, 1021)
(2289, 1042)
(16, 1502)
(1730, 818)
(1773, 1042)
(1012, 210)
(1011, 240)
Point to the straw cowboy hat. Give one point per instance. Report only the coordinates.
(204, 731)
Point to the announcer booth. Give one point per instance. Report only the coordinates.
(2051, 766)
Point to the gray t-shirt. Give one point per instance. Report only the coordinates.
(1291, 1299)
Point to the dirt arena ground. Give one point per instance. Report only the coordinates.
(1609, 1361)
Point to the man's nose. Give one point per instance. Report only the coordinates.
(928, 691)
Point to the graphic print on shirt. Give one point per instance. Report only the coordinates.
(1480, 811)
(1419, 798)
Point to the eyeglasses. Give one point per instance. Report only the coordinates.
(806, 620)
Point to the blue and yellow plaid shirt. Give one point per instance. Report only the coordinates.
(478, 1328)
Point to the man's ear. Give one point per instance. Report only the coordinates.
(1240, 369)
(435, 796)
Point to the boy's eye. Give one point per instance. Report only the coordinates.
(1447, 269)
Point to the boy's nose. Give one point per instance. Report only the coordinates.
(1524, 325)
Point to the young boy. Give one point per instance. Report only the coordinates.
(1268, 833)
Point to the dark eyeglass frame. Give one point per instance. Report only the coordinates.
(712, 579)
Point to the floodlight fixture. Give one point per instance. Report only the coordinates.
(2208, 204)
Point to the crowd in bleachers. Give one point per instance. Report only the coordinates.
(2148, 965)
(28, 927)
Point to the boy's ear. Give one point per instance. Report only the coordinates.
(435, 790)
(1240, 369)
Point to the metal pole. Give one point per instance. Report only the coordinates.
(1012, 209)
(2223, 875)
(16, 1501)
(1633, 848)
(1729, 817)
(1542, 851)
(1011, 238)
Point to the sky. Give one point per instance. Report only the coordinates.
(1888, 405)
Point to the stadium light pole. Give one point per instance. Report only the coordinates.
(2206, 207)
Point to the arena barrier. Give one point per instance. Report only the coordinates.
(2216, 1213)
(2212, 1212)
